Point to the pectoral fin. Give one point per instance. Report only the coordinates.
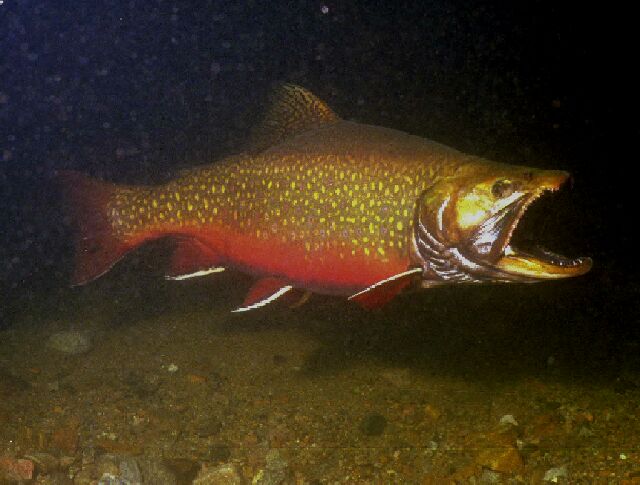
(384, 291)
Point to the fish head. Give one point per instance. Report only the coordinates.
(463, 226)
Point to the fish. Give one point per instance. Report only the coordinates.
(317, 204)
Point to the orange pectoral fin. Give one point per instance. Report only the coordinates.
(263, 292)
(191, 259)
(384, 291)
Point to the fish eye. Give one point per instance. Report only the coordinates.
(502, 188)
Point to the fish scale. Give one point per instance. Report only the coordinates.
(314, 204)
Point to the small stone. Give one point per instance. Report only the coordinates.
(83, 477)
(373, 424)
(554, 474)
(220, 475)
(88, 455)
(501, 459)
(196, 379)
(66, 461)
(53, 386)
(276, 471)
(71, 342)
(490, 476)
(431, 413)
(508, 419)
(107, 464)
(109, 479)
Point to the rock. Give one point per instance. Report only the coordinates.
(276, 471)
(109, 479)
(44, 462)
(431, 413)
(503, 459)
(373, 424)
(107, 464)
(490, 476)
(121, 470)
(15, 469)
(507, 420)
(56, 478)
(66, 461)
(71, 342)
(129, 470)
(554, 474)
(83, 477)
(220, 475)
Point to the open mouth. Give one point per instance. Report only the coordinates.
(489, 254)
(535, 263)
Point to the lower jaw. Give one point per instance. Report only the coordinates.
(529, 267)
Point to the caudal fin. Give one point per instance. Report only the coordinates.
(97, 249)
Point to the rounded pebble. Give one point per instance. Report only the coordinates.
(553, 474)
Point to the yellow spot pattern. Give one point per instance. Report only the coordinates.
(337, 203)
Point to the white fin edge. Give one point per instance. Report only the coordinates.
(387, 280)
(264, 301)
(197, 274)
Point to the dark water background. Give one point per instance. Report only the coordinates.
(133, 90)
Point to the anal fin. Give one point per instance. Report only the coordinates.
(263, 292)
(382, 292)
(191, 259)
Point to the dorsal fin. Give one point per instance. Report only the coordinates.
(292, 110)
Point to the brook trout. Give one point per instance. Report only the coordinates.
(324, 205)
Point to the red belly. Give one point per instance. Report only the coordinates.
(322, 270)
